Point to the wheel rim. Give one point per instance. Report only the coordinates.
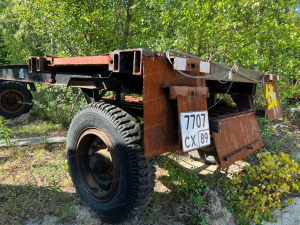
(97, 164)
(12, 101)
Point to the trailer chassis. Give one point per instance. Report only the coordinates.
(110, 153)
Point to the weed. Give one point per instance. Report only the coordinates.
(54, 188)
(275, 141)
(44, 141)
(261, 188)
(192, 186)
(68, 210)
(20, 203)
(198, 218)
(152, 214)
(5, 133)
(180, 214)
(39, 153)
(65, 167)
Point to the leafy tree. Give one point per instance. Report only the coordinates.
(262, 35)
(3, 52)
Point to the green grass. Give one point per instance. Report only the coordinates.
(34, 181)
(276, 140)
(39, 129)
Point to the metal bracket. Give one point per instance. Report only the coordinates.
(95, 83)
(91, 95)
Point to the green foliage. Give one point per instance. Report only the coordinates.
(294, 117)
(4, 132)
(21, 203)
(253, 194)
(3, 51)
(191, 186)
(274, 143)
(57, 104)
(261, 35)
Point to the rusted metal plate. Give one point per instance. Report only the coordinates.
(74, 65)
(272, 97)
(81, 61)
(187, 91)
(160, 113)
(239, 136)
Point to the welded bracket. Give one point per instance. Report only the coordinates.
(95, 83)
(91, 95)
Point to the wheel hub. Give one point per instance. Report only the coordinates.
(97, 164)
(11, 101)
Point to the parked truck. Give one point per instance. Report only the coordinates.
(110, 151)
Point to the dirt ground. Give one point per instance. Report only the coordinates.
(165, 208)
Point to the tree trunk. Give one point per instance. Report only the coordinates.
(127, 23)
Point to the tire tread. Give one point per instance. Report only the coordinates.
(142, 169)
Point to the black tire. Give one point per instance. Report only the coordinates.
(106, 162)
(15, 99)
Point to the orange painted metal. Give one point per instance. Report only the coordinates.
(239, 136)
(272, 97)
(161, 130)
(81, 61)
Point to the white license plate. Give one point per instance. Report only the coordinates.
(194, 130)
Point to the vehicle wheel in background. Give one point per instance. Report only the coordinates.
(15, 99)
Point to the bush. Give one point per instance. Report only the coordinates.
(253, 194)
(57, 104)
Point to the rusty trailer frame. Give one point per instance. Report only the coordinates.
(159, 88)
(164, 95)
